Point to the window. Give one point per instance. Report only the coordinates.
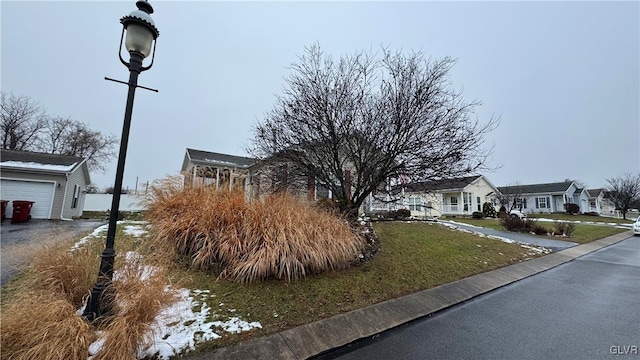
(520, 203)
(467, 199)
(76, 196)
(542, 203)
(415, 203)
(479, 203)
(454, 203)
(322, 192)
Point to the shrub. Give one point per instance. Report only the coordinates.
(279, 236)
(502, 214)
(489, 210)
(502, 209)
(533, 226)
(572, 208)
(569, 228)
(477, 215)
(402, 214)
(592, 213)
(511, 223)
(563, 228)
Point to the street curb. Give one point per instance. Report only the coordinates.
(324, 335)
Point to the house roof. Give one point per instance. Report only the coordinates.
(42, 162)
(537, 188)
(444, 184)
(595, 192)
(39, 158)
(211, 158)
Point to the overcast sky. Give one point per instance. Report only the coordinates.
(563, 76)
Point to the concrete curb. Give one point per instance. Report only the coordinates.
(320, 336)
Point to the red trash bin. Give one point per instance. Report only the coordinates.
(21, 211)
(4, 209)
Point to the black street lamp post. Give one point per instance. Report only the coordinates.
(141, 35)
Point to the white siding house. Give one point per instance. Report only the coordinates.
(55, 183)
(452, 197)
(549, 197)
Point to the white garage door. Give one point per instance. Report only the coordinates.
(40, 192)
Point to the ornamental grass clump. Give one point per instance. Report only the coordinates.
(41, 309)
(279, 236)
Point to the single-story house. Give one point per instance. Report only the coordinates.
(56, 183)
(549, 197)
(214, 169)
(458, 196)
(256, 177)
(596, 197)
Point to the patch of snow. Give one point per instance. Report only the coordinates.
(178, 327)
(97, 232)
(235, 325)
(38, 166)
(134, 230)
(459, 223)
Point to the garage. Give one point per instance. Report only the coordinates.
(56, 183)
(38, 191)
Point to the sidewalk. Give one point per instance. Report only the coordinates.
(312, 339)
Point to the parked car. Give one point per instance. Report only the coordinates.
(518, 213)
(636, 226)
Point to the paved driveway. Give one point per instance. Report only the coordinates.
(554, 245)
(17, 239)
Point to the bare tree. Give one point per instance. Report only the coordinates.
(21, 120)
(624, 191)
(510, 196)
(74, 138)
(356, 122)
(26, 126)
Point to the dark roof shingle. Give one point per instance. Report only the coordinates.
(40, 158)
(536, 188)
(220, 159)
(444, 184)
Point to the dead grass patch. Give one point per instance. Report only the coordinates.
(40, 309)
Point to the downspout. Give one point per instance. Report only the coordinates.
(64, 197)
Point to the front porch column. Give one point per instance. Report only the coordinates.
(217, 178)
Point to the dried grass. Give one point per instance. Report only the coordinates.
(44, 326)
(279, 236)
(39, 319)
(141, 292)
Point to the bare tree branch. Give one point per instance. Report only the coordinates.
(624, 191)
(21, 120)
(378, 117)
(24, 125)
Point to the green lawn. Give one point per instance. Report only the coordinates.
(583, 233)
(413, 256)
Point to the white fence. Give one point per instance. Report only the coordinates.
(102, 202)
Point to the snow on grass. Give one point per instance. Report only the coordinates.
(132, 228)
(455, 225)
(97, 233)
(135, 230)
(178, 328)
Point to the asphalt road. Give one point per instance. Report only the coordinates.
(17, 240)
(588, 308)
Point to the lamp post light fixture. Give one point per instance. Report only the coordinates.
(140, 39)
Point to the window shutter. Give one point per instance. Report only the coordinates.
(525, 203)
(537, 206)
(548, 203)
